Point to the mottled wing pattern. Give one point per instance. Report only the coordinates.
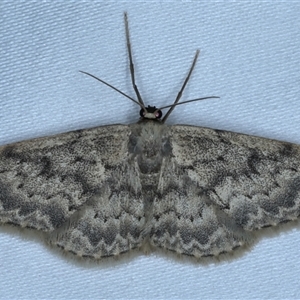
(218, 187)
(76, 187)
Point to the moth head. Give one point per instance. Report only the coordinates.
(151, 113)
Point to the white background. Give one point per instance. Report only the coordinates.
(249, 57)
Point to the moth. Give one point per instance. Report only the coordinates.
(104, 191)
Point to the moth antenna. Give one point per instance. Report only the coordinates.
(140, 101)
(188, 101)
(182, 88)
(112, 87)
(131, 65)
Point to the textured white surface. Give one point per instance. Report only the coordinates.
(249, 57)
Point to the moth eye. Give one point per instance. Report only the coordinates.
(158, 114)
(142, 113)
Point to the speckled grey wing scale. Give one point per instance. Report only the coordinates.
(103, 191)
(74, 187)
(218, 188)
(202, 192)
